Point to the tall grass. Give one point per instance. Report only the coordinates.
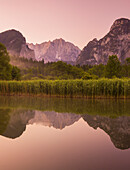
(102, 88)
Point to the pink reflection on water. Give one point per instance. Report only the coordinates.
(75, 147)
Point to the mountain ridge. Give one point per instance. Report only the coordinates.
(16, 44)
(50, 51)
(115, 42)
(55, 50)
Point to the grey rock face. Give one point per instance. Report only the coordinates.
(16, 44)
(55, 51)
(116, 42)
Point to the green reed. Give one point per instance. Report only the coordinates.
(101, 88)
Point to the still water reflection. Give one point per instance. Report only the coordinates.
(55, 134)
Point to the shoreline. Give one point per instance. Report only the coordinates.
(68, 97)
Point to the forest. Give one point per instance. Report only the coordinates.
(16, 68)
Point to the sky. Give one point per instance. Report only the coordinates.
(76, 21)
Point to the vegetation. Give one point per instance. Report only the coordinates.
(113, 67)
(98, 70)
(7, 71)
(57, 78)
(25, 69)
(33, 70)
(5, 67)
(15, 73)
(106, 88)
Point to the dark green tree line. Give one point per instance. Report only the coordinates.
(7, 71)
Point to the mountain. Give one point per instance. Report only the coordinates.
(116, 42)
(53, 51)
(16, 44)
(56, 50)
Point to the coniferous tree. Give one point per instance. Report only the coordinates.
(113, 67)
(5, 67)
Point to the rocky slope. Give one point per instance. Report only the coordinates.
(49, 51)
(16, 44)
(116, 42)
(55, 51)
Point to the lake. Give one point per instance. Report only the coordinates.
(64, 134)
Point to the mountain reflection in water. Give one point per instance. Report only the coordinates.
(13, 122)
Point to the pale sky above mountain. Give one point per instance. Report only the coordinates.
(77, 21)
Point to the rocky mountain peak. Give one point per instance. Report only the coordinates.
(13, 33)
(59, 40)
(115, 42)
(119, 23)
(55, 50)
(93, 42)
(16, 45)
(13, 40)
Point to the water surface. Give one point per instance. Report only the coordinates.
(64, 134)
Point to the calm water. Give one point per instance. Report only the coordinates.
(64, 134)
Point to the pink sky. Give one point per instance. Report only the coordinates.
(77, 21)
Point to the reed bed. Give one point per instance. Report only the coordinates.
(101, 88)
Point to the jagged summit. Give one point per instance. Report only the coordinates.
(12, 33)
(55, 50)
(50, 51)
(15, 43)
(12, 39)
(120, 22)
(115, 42)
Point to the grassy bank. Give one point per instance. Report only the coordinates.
(101, 88)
